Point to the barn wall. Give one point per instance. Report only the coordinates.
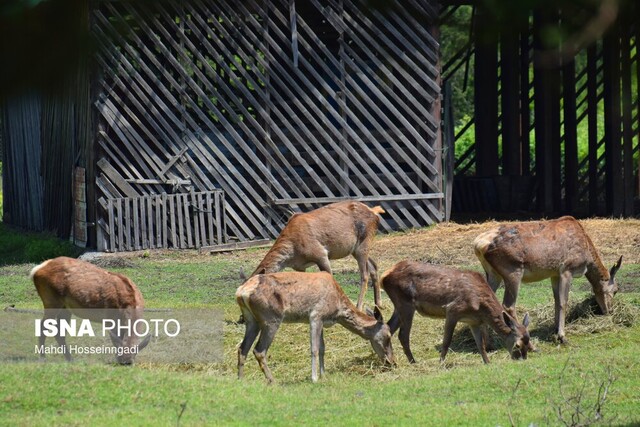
(280, 105)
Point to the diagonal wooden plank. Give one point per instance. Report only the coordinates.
(228, 182)
(371, 139)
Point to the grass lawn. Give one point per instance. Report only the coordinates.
(547, 389)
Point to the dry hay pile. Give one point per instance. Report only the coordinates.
(452, 243)
(585, 317)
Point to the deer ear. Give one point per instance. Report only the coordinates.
(615, 269)
(378, 315)
(144, 342)
(508, 320)
(525, 321)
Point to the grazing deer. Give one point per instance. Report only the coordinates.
(453, 295)
(267, 300)
(69, 286)
(330, 232)
(559, 249)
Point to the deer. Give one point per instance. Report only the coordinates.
(69, 286)
(456, 296)
(330, 232)
(268, 300)
(532, 251)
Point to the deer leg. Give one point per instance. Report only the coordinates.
(561, 286)
(406, 313)
(322, 353)
(478, 336)
(251, 331)
(511, 288)
(394, 322)
(267, 333)
(449, 326)
(66, 315)
(316, 339)
(362, 259)
(373, 276)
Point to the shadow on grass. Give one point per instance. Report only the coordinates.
(21, 247)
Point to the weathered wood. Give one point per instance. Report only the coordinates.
(227, 247)
(323, 200)
(486, 100)
(612, 118)
(592, 122)
(187, 91)
(570, 136)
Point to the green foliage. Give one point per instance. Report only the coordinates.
(454, 36)
(20, 247)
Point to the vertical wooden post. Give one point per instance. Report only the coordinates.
(547, 119)
(486, 98)
(570, 136)
(627, 131)
(612, 122)
(511, 154)
(592, 121)
(525, 105)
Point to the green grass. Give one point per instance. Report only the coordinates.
(356, 390)
(17, 246)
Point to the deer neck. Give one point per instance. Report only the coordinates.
(494, 319)
(596, 271)
(275, 259)
(357, 322)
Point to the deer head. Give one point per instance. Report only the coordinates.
(381, 340)
(607, 289)
(517, 342)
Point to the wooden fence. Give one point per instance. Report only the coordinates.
(282, 105)
(181, 221)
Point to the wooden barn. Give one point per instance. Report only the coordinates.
(556, 128)
(208, 122)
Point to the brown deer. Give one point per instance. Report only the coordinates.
(69, 286)
(330, 232)
(267, 300)
(453, 295)
(531, 251)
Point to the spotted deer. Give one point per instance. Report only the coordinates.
(69, 286)
(268, 300)
(559, 249)
(330, 232)
(453, 295)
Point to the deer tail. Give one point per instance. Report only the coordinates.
(377, 210)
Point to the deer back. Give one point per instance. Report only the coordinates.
(291, 296)
(74, 283)
(431, 288)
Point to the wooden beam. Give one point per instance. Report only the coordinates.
(511, 155)
(226, 247)
(382, 198)
(612, 123)
(486, 99)
(592, 121)
(547, 121)
(570, 137)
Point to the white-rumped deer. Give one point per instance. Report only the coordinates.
(531, 251)
(330, 232)
(267, 300)
(69, 286)
(453, 295)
